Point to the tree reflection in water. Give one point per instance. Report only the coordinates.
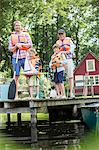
(70, 133)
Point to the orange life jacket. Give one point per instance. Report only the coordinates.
(56, 60)
(65, 44)
(19, 39)
(35, 62)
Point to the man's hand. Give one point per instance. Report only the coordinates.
(19, 46)
(63, 48)
(67, 52)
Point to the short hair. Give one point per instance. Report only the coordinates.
(32, 50)
(17, 21)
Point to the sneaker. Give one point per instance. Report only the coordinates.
(58, 97)
(63, 97)
(72, 96)
(37, 97)
(16, 98)
(31, 97)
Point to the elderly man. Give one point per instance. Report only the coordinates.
(68, 47)
(19, 43)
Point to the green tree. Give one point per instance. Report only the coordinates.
(43, 18)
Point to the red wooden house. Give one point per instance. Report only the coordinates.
(88, 69)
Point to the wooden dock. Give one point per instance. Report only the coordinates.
(40, 105)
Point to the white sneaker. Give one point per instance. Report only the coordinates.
(63, 96)
(58, 97)
(16, 98)
(72, 96)
(37, 97)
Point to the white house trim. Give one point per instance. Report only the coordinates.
(92, 61)
(90, 78)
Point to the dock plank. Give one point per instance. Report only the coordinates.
(21, 105)
(32, 106)
(15, 110)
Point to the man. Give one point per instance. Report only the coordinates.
(68, 47)
(19, 43)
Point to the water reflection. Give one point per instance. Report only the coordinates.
(7, 143)
(87, 143)
(62, 136)
(59, 136)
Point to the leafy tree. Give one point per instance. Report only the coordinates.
(43, 18)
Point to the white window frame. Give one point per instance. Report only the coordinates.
(87, 67)
(78, 78)
(94, 80)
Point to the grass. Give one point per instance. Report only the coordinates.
(25, 117)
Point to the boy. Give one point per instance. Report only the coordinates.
(58, 63)
(33, 75)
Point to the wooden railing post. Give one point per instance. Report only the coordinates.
(33, 112)
(8, 120)
(19, 118)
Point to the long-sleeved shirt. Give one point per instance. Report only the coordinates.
(72, 47)
(22, 53)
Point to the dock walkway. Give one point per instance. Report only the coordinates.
(33, 106)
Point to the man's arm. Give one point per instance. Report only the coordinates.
(72, 47)
(50, 64)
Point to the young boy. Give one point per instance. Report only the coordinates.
(33, 75)
(58, 63)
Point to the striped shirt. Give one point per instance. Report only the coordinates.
(22, 53)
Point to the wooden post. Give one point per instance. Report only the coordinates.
(8, 120)
(97, 121)
(33, 125)
(67, 88)
(76, 128)
(33, 112)
(75, 111)
(75, 146)
(92, 88)
(19, 118)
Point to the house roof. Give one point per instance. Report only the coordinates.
(90, 52)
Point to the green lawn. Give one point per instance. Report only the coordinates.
(25, 117)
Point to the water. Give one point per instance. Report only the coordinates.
(57, 136)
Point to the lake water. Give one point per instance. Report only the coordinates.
(57, 136)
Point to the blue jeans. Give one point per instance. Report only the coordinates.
(17, 67)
